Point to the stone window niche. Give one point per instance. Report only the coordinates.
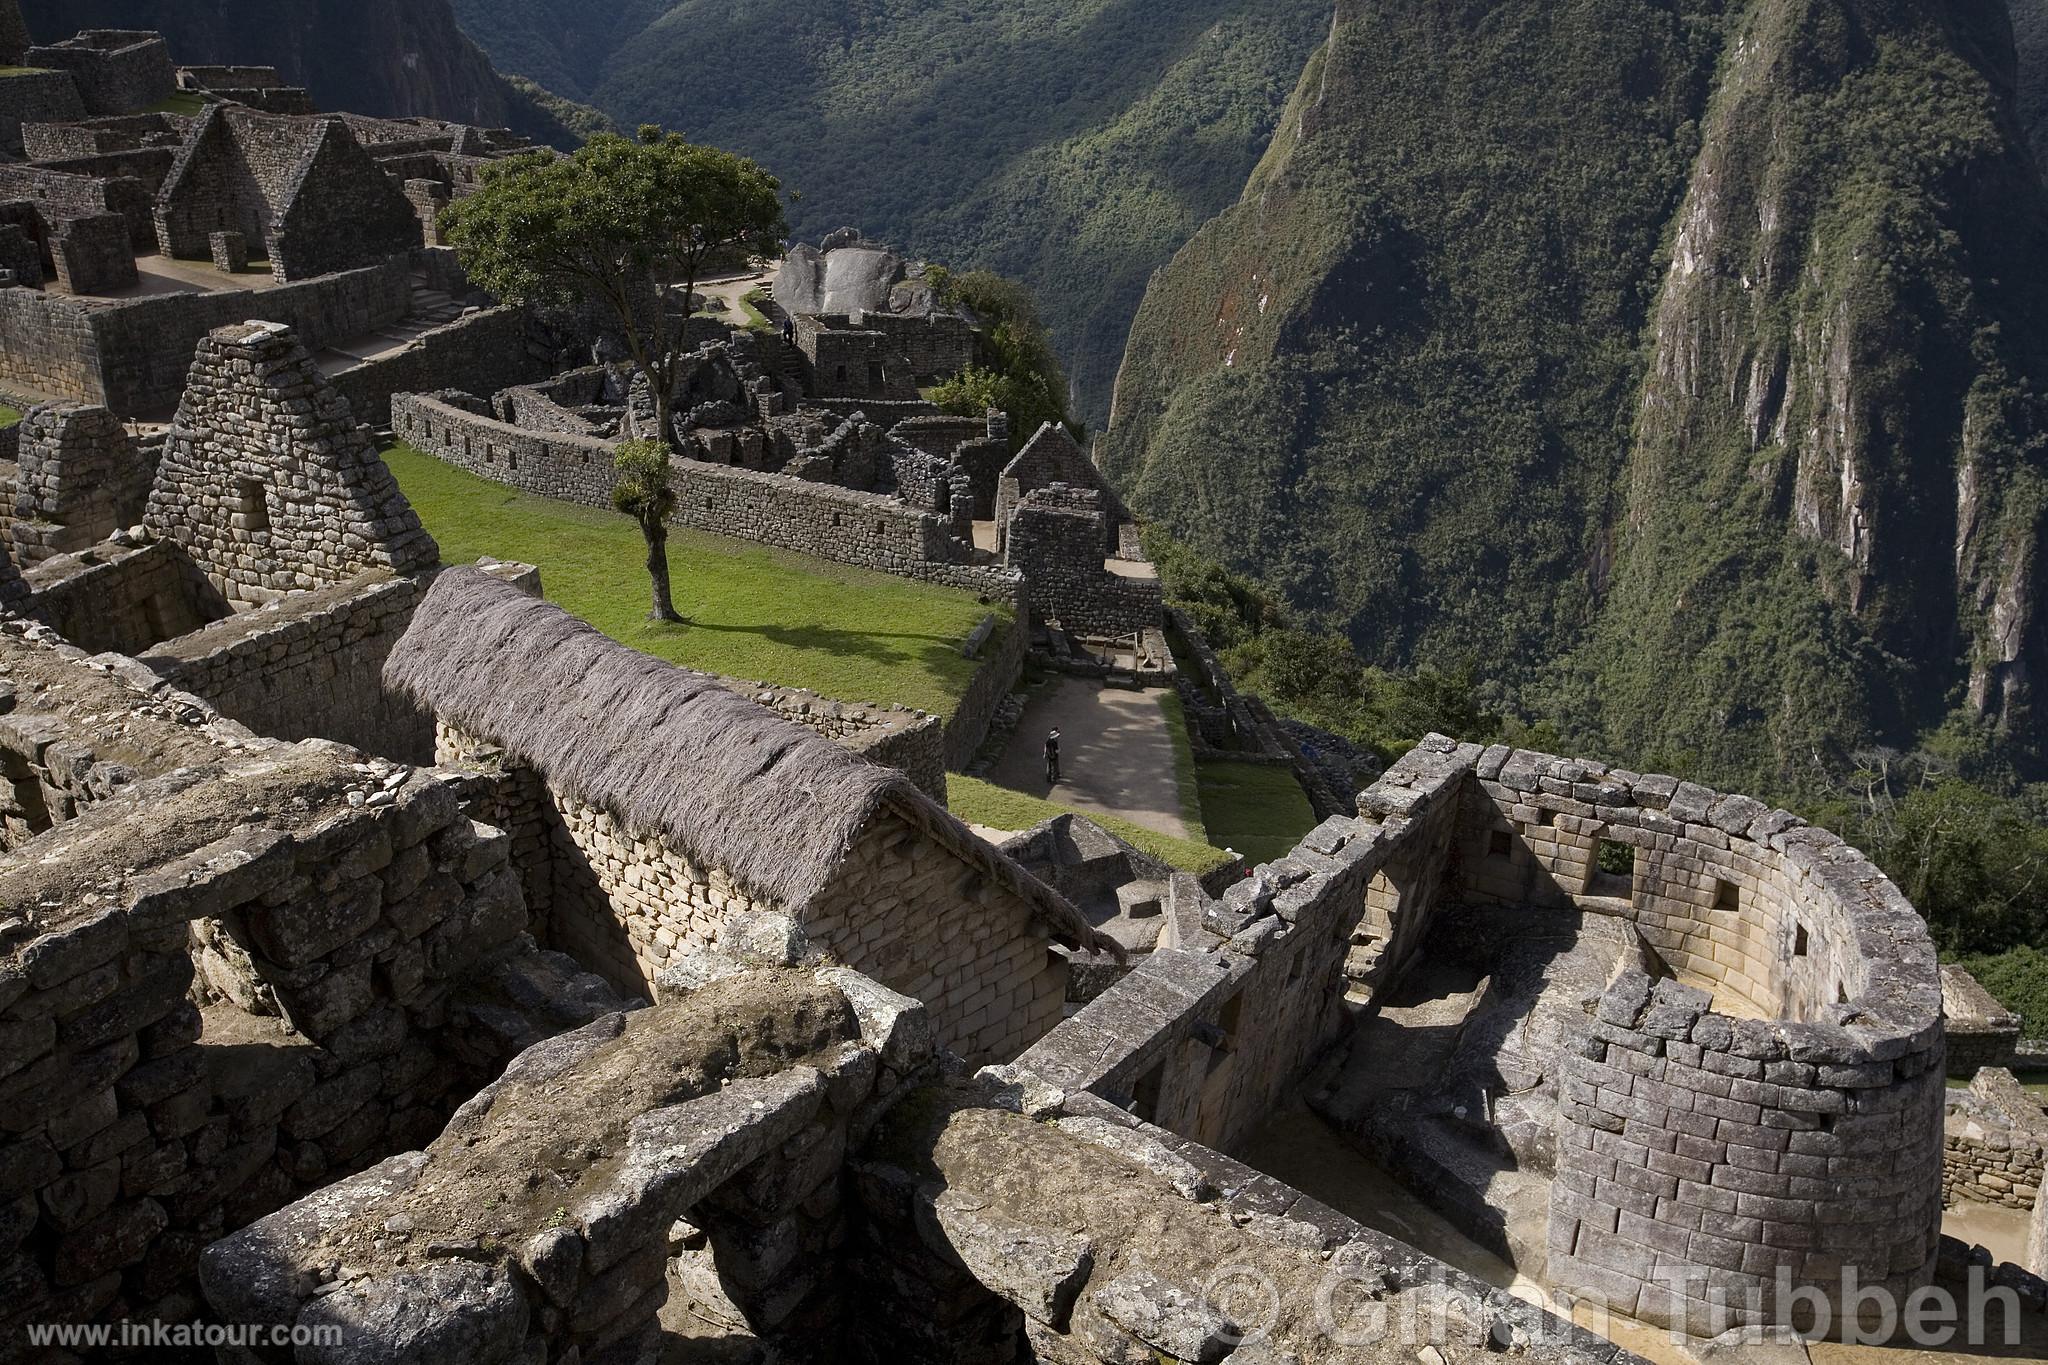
(1227, 1022)
(1500, 843)
(1727, 896)
(1613, 872)
(1145, 1094)
(1799, 943)
(252, 512)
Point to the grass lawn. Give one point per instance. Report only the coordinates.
(1186, 780)
(984, 803)
(756, 320)
(184, 102)
(1255, 808)
(753, 612)
(9, 416)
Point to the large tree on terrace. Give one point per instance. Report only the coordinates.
(623, 223)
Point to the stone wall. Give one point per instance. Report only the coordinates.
(1995, 1144)
(92, 255)
(116, 71)
(98, 186)
(488, 350)
(912, 742)
(1002, 663)
(1981, 1032)
(731, 1110)
(351, 940)
(308, 665)
(268, 483)
(1776, 1106)
(903, 909)
(35, 97)
(1207, 1039)
(79, 478)
(134, 356)
(123, 597)
(866, 529)
(1054, 538)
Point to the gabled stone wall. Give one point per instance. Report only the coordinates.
(116, 71)
(268, 483)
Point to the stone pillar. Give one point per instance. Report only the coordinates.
(230, 252)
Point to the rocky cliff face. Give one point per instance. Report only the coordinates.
(1695, 391)
(385, 57)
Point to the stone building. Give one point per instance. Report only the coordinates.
(300, 191)
(115, 71)
(268, 484)
(78, 477)
(650, 804)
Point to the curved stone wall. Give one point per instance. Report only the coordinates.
(1768, 1117)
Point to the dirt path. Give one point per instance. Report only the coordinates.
(1116, 754)
(730, 289)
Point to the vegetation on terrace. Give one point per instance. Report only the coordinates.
(749, 611)
(984, 803)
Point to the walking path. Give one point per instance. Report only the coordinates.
(1116, 754)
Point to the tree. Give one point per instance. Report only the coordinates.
(646, 492)
(627, 224)
(1023, 377)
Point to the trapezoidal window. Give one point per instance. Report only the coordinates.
(1145, 1094)
(1227, 1022)
(877, 381)
(1614, 870)
(1727, 896)
(1799, 944)
(1500, 844)
(252, 512)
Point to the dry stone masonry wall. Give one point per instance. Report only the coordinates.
(226, 983)
(871, 530)
(79, 478)
(267, 482)
(1770, 1113)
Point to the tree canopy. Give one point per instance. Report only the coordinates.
(627, 224)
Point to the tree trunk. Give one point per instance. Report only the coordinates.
(664, 608)
(664, 405)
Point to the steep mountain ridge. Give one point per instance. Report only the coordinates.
(384, 57)
(1073, 143)
(1692, 393)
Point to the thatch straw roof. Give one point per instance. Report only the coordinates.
(666, 751)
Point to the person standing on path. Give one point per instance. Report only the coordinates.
(1052, 759)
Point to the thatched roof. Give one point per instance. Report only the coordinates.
(666, 751)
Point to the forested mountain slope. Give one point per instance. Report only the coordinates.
(1075, 144)
(1679, 363)
(385, 57)
(2030, 31)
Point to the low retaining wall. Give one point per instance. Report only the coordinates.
(869, 530)
(1995, 1144)
(487, 350)
(1002, 664)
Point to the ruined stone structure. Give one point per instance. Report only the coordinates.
(849, 526)
(288, 965)
(985, 1221)
(78, 478)
(633, 871)
(267, 482)
(115, 71)
(1996, 1137)
(303, 190)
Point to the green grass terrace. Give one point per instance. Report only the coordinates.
(751, 612)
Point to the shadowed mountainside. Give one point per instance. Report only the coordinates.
(1680, 363)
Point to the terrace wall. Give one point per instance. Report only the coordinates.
(870, 530)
